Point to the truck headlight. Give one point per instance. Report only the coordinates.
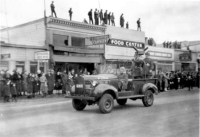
(94, 83)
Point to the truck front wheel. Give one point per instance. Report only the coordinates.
(148, 98)
(121, 101)
(78, 104)
(106, 103)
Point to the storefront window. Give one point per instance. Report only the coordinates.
(78, 42)
(60, 40)
(33, 67)
(4, 65)
(20, 66)
(188, 66)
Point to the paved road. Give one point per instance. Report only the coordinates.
(174, 114)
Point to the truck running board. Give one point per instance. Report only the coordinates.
(134, 96)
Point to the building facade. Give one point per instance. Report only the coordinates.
(81, 46)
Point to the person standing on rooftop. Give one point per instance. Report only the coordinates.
(70, 13)
(53, 9)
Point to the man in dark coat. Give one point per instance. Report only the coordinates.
(53, 9)
(138, 25)
(109, 17)
(105, 17)
(122, 20)
(96, 17)
(101, 16)
(90, 16)
(148, 65)
(16, 81)
(2, 83)
(70, 13)
(50, 82)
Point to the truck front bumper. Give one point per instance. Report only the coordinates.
(81, 97)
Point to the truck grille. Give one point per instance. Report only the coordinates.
(82, 89)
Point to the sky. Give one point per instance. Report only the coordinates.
(163, 20)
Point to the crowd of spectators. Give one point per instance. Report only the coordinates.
(177, 80)
(100, 17)
(174, 45)
(16, 84)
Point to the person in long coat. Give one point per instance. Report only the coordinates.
(176, 81)
(197, 79)
(2, 83)
(96, 17)
(24, 82)
(105, 17)
(58, 84)
(122, 20)
(7, 94)
(50, 82)
(101, 16)
(90, 16)
(109, 17)
(113, 19)
(16, 80)
(43, 85)
(30, 81)
(64, 77)
(166, 78)
(13, 91)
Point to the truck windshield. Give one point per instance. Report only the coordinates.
(112, 67)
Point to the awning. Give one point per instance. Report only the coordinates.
(60, 58)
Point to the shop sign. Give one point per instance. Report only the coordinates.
(160, 54)
(124, 43)
(5, 56)
(185, 57)
(42, 55)
(97, 40)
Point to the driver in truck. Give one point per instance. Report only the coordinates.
(123, 79)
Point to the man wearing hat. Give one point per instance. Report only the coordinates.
(138, 64)
(148, 65)
(123, 79)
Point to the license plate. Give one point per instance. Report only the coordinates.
(79, 86)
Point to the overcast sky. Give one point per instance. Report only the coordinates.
(164, 20)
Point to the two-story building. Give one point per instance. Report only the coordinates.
(67, 43)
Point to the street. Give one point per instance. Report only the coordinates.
(175, 113)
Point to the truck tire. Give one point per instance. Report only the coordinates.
(121, 101)
(106, 103)
(148, 98)
(78, 104)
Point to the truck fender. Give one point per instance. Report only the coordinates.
(102, 88)
(150, 86)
